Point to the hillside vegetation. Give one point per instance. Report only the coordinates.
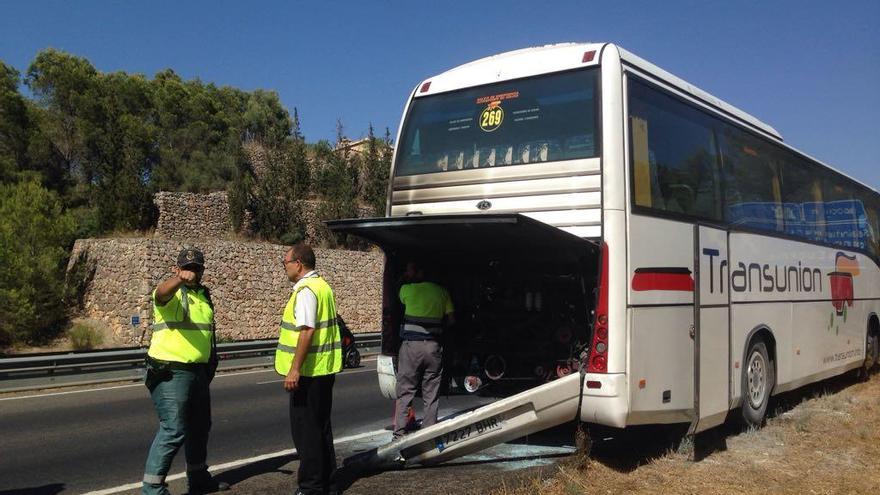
(83, 151)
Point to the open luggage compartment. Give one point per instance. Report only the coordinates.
(523, 294)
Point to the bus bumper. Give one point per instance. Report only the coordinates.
(605, 399)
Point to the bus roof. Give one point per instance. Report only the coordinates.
(559, 57)
(566, 56)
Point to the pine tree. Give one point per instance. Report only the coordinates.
(35, 235)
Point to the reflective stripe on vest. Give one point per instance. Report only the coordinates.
(427, 326)
(327, 346)
(425, 303)
(183, 327)
(325, 352)
(290, 326)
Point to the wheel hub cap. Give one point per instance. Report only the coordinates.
(757, 379)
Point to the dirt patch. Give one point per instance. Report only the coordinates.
(821, 439)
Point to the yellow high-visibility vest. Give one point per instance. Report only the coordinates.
(183, 327)
(426, 303)
(325, 353)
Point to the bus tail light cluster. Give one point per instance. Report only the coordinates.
(599, 351)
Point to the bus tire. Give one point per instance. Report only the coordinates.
(874, 338)
(872, 349)
(758, 380)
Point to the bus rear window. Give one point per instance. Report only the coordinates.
(539, 119)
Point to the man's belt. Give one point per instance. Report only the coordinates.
(174, 365)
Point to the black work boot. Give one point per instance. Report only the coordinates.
(201, 482)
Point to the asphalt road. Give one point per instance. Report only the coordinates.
(83, 440)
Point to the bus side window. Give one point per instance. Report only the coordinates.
(674, 155)
(841, 213)
(872, 210)
(753, 186)
(644, 174)
(803, 204)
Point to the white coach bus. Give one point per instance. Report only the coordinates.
(621, 246)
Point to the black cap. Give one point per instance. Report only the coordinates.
(190, 256)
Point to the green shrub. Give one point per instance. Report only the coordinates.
(35, 235)
(84, 337)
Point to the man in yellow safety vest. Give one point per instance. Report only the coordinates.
(180, 364)
(427, 310)
(308, 356)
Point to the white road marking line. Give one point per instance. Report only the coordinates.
(340, 374)
(221, 375)
(240, 462)
(72, 392)
(140, 384)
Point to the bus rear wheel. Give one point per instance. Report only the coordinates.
(872, 354)
(758, 380)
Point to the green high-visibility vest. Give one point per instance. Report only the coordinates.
(325, 353)
(426, 303)
(183, 327)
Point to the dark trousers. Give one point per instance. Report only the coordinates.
(310, 407)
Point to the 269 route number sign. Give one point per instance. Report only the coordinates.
(491, 117)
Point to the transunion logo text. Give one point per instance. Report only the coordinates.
(758, 277)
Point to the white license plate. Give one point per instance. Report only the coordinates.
(481, 427)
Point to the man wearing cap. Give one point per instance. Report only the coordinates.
(309, 355)
(180, 365)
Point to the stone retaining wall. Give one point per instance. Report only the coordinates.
(190, 215)
(185, 216)
(248, 285)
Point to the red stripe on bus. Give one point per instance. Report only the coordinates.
(662, 281)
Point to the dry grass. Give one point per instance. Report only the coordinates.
(821, 440)
(84, 337)
(100, 335)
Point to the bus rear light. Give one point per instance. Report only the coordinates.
(588, 56)
(425, 87)
(594, 384)
(599, 359)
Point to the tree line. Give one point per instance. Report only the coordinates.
(83, 151)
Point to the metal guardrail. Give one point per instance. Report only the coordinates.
(48, 370)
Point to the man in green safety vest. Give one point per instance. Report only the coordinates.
(427, 310)
(308, 356)
(180, 365)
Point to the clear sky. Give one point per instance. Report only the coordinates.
(809, 68)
